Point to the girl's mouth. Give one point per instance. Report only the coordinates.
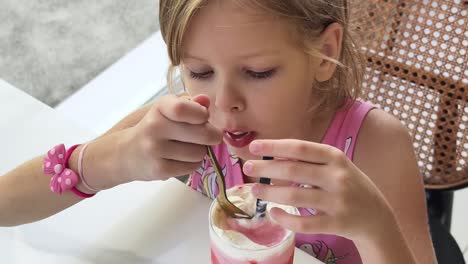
(239, 139)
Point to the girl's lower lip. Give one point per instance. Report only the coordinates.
(239, 141)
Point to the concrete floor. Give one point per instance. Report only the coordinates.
(50, 48)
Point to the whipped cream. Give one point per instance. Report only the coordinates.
(256, 235)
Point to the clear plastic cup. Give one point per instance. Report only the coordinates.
(224, 251)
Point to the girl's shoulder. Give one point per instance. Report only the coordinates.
(385, 153)
(382, 132)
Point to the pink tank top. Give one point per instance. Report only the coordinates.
(342, 134)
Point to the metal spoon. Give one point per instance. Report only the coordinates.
(229, 208)
(260, 210)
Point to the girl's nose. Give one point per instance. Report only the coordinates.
(229, 98)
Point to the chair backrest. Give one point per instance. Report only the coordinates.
(416, 69)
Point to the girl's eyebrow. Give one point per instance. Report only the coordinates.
(262, 53)
(267, 53)
(189, 56)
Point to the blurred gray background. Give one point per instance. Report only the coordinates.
(50, 48)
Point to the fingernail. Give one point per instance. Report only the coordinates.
(255, 190)
(248, 167)
(255, 147)
(274, 211)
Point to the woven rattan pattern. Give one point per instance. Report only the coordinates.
(416, 69)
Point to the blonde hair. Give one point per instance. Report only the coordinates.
(310, 18)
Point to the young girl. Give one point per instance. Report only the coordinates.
(269, 78)
(282, 79)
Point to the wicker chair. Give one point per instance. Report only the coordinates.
(416, 69)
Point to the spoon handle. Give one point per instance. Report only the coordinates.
(261, 205)
(219, 174)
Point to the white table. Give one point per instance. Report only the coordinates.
(152, 222)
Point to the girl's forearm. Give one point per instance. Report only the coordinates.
(24, 192)
(25, 195)
(386, 247)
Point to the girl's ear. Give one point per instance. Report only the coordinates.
(330, 43)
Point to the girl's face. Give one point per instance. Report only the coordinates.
(258, 77)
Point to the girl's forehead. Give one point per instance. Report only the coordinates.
(239, 27)
(229, 13)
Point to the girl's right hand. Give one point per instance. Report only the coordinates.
(169, 141)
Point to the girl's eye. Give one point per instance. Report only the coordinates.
(252, 74)
(261, 75)
(201, 75)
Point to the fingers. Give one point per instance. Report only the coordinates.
(295, 196)
(314, 224)
(181, 151)
(204, 134)
(182, 120)
(295, 150)
(292, 171)
(181, 110)
(202, 100)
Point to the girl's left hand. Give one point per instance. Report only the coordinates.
(346, 200)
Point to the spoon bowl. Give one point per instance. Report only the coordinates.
(229, 208)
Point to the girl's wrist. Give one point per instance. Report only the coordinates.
(383, 223)
(382, 233)
(100, 164)
(73, 164)
(387, 242)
